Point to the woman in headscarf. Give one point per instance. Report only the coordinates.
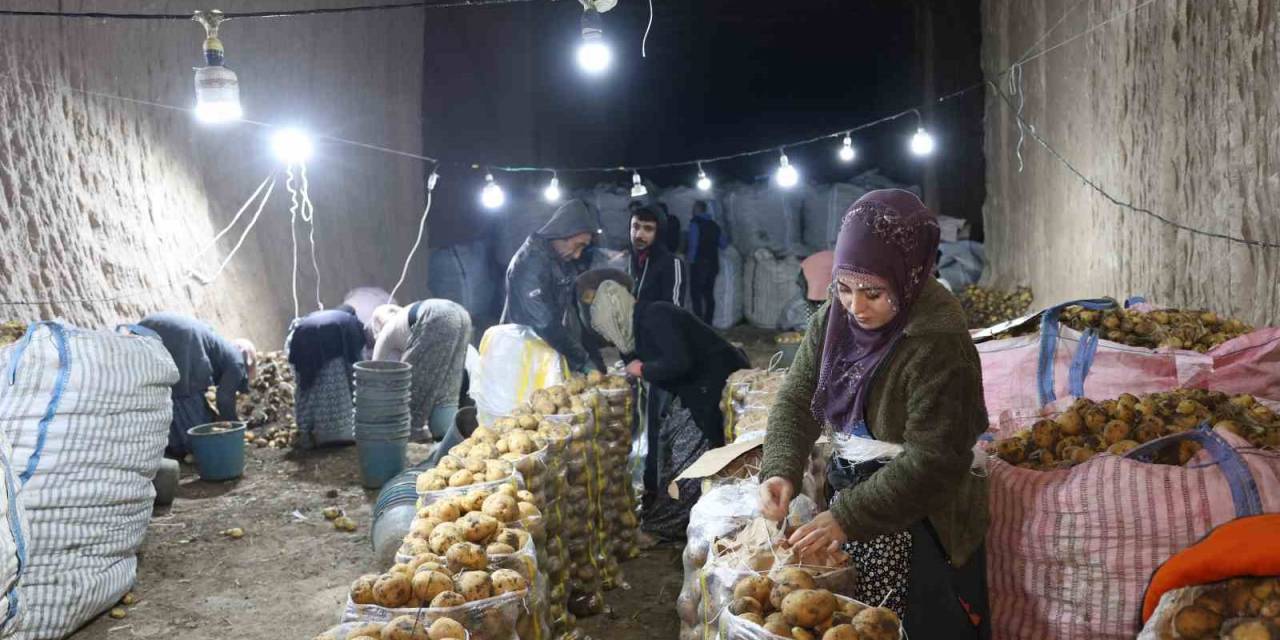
(323, 346)
(668, 347)
(888, 371)
(432, 335)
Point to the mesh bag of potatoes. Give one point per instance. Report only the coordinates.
(802, 613)
(724, 508)
(1236, 609)
(748, 396)
(451, 615)
(481, 515)
(572, 491)
(620, 526)
(1073, 432)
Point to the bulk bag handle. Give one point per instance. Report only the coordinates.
(1244, 490)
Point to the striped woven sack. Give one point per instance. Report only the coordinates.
(88, 415)
(1070, 552)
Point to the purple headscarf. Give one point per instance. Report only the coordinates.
(888, 235)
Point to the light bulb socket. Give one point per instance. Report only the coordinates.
(432, 180)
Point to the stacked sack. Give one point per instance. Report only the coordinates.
(471, 572)
(619, 525)
(88, 415)
(1088, 498)
(1098, 348)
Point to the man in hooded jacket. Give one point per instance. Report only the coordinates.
(540, 283)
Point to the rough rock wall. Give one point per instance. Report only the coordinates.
(1174, 108)
(100, 198)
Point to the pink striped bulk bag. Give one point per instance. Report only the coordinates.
(1070, 551)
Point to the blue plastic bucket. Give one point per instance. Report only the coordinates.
(219, 450)
(380, 460)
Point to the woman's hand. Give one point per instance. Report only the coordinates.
(822, 535)
(635, 369)
(775, 498)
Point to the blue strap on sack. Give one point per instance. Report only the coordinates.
(60, 384)
(1081, 362)
(1244, 490)
(1049, 348)
(138, 330)
(1132, 300)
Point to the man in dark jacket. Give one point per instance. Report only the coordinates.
(658, 274)
(204, 359)
(705, 242)
(540, 283)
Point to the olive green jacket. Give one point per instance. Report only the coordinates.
(926, 396)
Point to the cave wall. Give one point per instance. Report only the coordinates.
(111, 200)
(1174, 108)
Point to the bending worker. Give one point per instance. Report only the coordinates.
(540, 283)
(889, 372)
(204, 359)
(669, 347)
(432, 335)
(323, 346)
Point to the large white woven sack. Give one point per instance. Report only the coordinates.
(87, 413)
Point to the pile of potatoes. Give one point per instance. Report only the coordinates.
(267, 408)
(1238, 609)
(406, 627)
(451, 604)
(986, 307)
(11, 331)
(1117, 426)
(790, 605)
(1171, 328)
(789, 337)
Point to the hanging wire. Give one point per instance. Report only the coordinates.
(309, 216)
(645, 39)
(1015, 89)
(105, 15)
(422, 225)
(1093, 184)
(244, 207)
(243, 234)
(293, 235)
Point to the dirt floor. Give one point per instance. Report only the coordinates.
(287, 577)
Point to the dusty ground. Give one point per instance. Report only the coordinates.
(287, 578)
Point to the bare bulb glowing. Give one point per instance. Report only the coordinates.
(922, 143)
(594, 56)
(292, 146)
(786, 176)
(552, 192)
(492, 196)
(847, 153)
(704, 183)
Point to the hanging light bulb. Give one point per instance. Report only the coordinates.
(217, 88)
(921, 142)
(637, 187)
(594, 54)
(552, 192)
(492, 196)
(847, 154)
(786, 176)
(292, 146)
(704, 183)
